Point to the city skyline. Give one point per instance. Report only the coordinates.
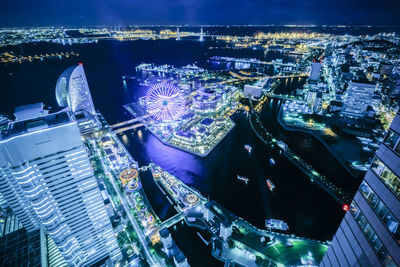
(206, 12)
(241, 133)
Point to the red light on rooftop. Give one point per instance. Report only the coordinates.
(345, 207)
(80, 63)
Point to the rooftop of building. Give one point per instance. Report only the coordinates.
(20, 127)
(187, 116)
(164, 232)
(221, 213)
(226, 223)
(29, 111)
(207, 121)
(363, 83)
(180, 257)
(185, 134)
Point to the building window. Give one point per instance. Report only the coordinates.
(387, 176)
(381, 210)
(371, 236)
(391, 139)
(397, 149)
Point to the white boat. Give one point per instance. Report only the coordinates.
(270, 185)
(282, 145)
(248, 148)
(367, 149)
(242, 178)
(271, 161)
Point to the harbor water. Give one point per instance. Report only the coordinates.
(304, 206)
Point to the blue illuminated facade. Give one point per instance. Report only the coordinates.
(47, 180)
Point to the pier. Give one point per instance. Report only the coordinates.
(245, 239)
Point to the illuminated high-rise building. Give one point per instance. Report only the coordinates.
(201, 35)
(47, 180)
(315, 71)
(369, 234)
(178, 34)
(72, 90)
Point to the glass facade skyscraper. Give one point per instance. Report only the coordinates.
(47, 180)
(369, 234)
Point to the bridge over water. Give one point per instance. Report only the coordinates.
(169, 222)
(129, 124)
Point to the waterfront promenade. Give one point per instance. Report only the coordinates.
(247, 245)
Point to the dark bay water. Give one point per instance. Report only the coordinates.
(308, 210)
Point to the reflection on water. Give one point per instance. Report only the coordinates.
(125, 140)
(185, 166)
(140, 135)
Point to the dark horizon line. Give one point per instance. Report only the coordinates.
(210, 25)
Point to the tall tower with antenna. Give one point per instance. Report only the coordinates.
(201, 34)
(178, 34)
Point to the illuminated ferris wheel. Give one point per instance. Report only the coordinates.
(165, 101)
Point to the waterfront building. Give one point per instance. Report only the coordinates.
(207, 213)
(72, 90)
(212, 101)
(225, 229)
(297, 106)
(180, 260)
(358, 97)
(252, 91)
(171, 249)
(255, 90)
(369, 234)
(166, 238)
(208, 101)
(47, 181)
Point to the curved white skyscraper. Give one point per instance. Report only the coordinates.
(72, 90)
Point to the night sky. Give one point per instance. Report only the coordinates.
(151, 12)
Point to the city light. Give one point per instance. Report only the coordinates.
(345, 207)
(187, 129)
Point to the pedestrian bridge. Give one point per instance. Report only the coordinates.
(129, 124)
